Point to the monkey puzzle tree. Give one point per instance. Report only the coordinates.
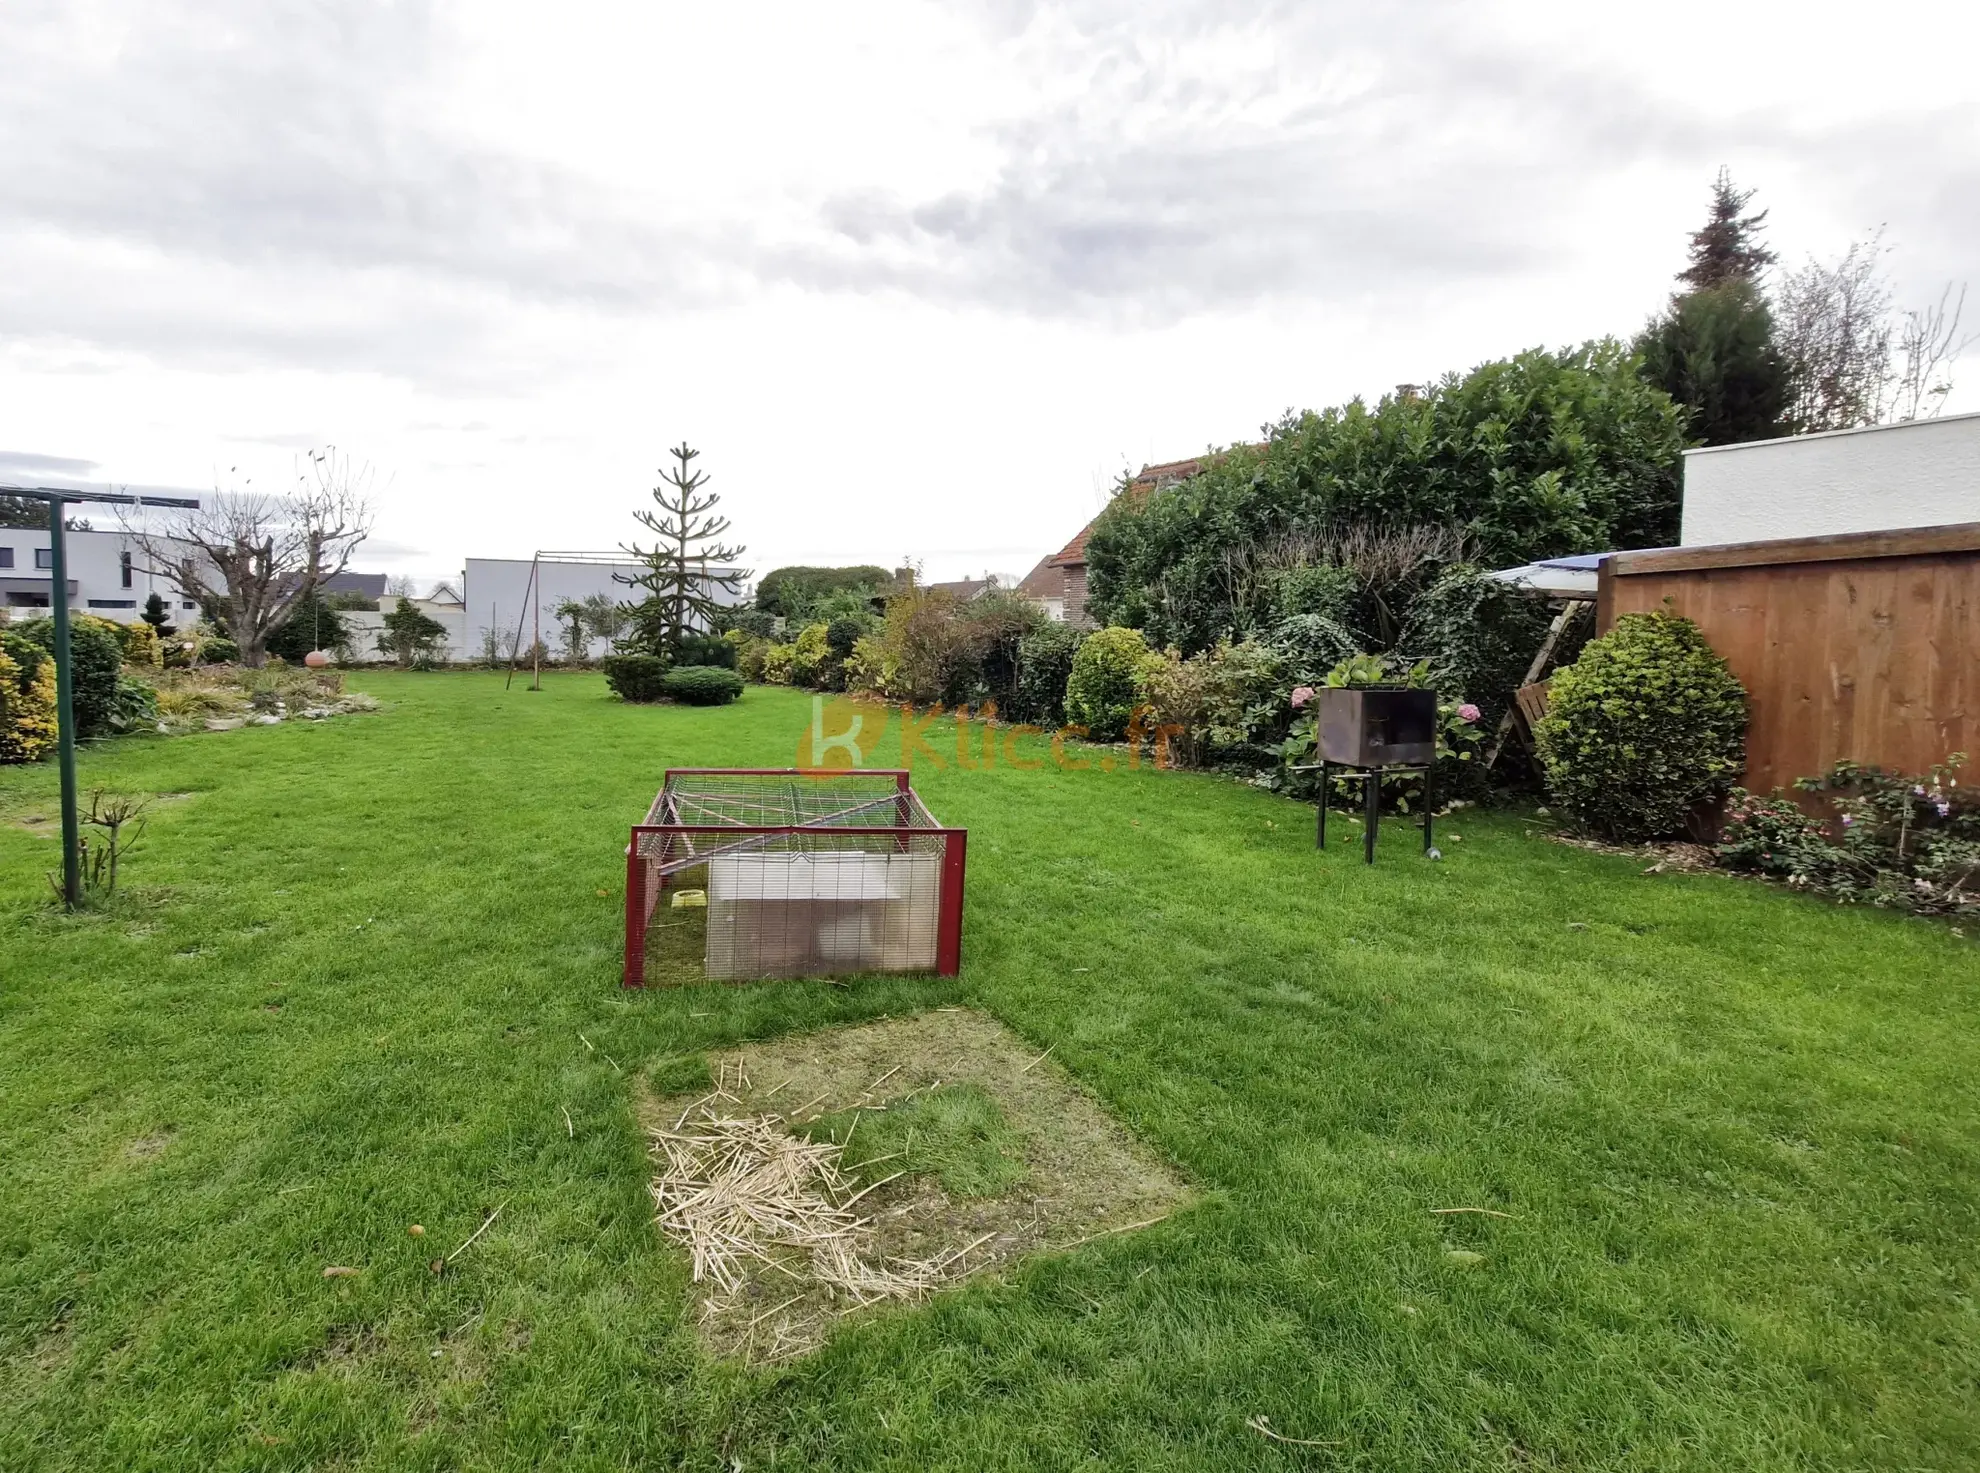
(688, 566)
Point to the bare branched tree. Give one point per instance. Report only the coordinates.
(1835, 332)
(254, 555)
(1929, 343)
(1853, 360)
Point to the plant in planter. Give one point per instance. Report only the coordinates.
(1458, 730)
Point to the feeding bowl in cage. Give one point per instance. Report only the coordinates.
(808, 873)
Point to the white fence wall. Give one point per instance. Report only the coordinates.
(499, 598)
(1922, 474)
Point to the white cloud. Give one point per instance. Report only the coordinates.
(918, 280)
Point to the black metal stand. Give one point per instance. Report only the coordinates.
(1371, 782)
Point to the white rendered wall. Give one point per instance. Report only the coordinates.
(1922, 474)
(96, 568)
(499, 597)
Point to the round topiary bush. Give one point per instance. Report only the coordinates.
(1105, 684)
(634, 677)
(702, 685)
(1644, 727)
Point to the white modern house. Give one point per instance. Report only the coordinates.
(1923, 473)
(502, 601)
(108, 575)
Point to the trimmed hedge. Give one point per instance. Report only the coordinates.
(1105, 684)
(1647, 725)
(702, 685)
(635, 677)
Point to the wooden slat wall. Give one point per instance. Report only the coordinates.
(1873, 659)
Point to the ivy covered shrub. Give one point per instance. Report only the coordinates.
(635, 677)
(702, 685)
(1644, 728)
(1044, 665)
(1105, 684)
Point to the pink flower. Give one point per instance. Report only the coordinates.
(1301, 695)
(1467, 712)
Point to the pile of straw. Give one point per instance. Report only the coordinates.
(737, 1189)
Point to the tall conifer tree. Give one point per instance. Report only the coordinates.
(688, 566)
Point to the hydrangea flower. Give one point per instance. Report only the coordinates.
(1467, 712)
(1301, 695)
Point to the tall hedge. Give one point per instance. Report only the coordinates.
(1541, 455)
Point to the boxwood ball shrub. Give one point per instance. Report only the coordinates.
(1105, 684)
(702, 685)
(1647, 725)
(635, 677)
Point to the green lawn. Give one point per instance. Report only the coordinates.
(370, 964)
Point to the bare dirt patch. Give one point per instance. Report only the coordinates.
(968, 1149)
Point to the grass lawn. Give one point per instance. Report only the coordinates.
(369, 965)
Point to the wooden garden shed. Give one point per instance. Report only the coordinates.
(1863, 646)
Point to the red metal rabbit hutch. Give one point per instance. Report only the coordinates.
(805, 873)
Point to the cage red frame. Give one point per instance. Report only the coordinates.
(666, 844)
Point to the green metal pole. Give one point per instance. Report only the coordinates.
(65, 706)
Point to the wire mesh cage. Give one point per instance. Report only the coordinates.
(803, 873)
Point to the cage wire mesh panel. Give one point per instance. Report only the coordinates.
(808, 873)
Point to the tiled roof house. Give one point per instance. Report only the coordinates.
(1059, 581)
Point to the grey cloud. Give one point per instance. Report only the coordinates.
(16, 465)
(258, 182)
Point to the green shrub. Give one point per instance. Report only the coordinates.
(1044, 665)
(312, 625)
(1327, 590)
(1309, 645)
(1907, 843)
(808, 655)
(754, 623)
(216, 649)
(1478, 634)
(635, 677)
(1105, 685)
(702, 685)
(750, 656)
(706, 649)
(777, 660)
(27, 699)
(842, 634)
(141, 645)
(1647, 725)
(96, 667)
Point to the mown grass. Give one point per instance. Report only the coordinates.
(369, 970)
(956, 1134)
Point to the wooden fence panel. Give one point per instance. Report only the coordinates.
(1864, 648)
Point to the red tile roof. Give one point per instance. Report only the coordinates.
(1151, 478)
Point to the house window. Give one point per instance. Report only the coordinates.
(188, 604)
(6, 557)
(124, 568)
(113, 603)
(44, 557)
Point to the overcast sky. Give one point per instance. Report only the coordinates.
(917, 279)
